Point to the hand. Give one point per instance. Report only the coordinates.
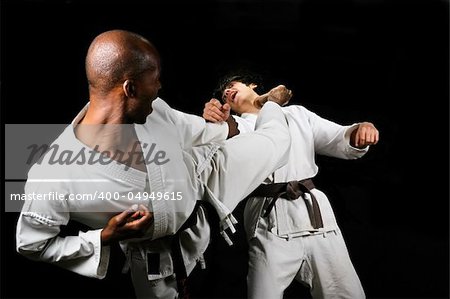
(366, 134)
(214, 111)
(280, 95)
(131, 223)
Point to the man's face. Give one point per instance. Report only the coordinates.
(238, 96)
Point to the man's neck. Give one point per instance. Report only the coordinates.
(250, 108)
(106, 137)
(117, 141)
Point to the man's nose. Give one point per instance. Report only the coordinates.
(226, 92)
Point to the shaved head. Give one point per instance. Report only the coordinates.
(118, 55)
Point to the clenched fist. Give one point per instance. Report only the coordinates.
(366, 134)
(214, 111)
(132, 223)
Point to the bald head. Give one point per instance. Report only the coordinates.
(117, 55)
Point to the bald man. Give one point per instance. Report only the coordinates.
(134, 171)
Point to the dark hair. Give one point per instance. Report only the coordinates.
(242, 75)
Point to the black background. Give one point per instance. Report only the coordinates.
(347, 60)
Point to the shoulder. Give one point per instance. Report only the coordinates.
(51, 159)
(162, 111)
(159, 106)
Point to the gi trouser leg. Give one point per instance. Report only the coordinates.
(273, 263)
(320, 261)
(329, 270)
(241, 163)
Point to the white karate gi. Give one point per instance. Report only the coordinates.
(284, 246)
(196, 169)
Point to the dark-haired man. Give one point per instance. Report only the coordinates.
(291, 228)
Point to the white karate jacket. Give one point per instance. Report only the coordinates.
(310, 135)
(195, 169)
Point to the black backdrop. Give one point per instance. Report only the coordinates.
(347, 60)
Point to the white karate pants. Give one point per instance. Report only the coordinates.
(320, 261)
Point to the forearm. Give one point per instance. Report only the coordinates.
(82, 254)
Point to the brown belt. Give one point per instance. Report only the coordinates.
(291, 191)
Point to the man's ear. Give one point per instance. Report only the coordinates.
(129, 88)
(253, 85)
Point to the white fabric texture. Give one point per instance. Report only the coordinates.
(278, 253)
(201, 164)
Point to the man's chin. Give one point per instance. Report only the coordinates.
(142, 120)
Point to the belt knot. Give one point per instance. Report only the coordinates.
(294, 189)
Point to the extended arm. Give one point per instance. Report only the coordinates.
(346, 142)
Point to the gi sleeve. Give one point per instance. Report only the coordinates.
(332, 139)
(37, 235)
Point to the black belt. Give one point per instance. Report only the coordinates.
(291, 191)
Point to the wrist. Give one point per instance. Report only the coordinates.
(105, 237)
(232, 127)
